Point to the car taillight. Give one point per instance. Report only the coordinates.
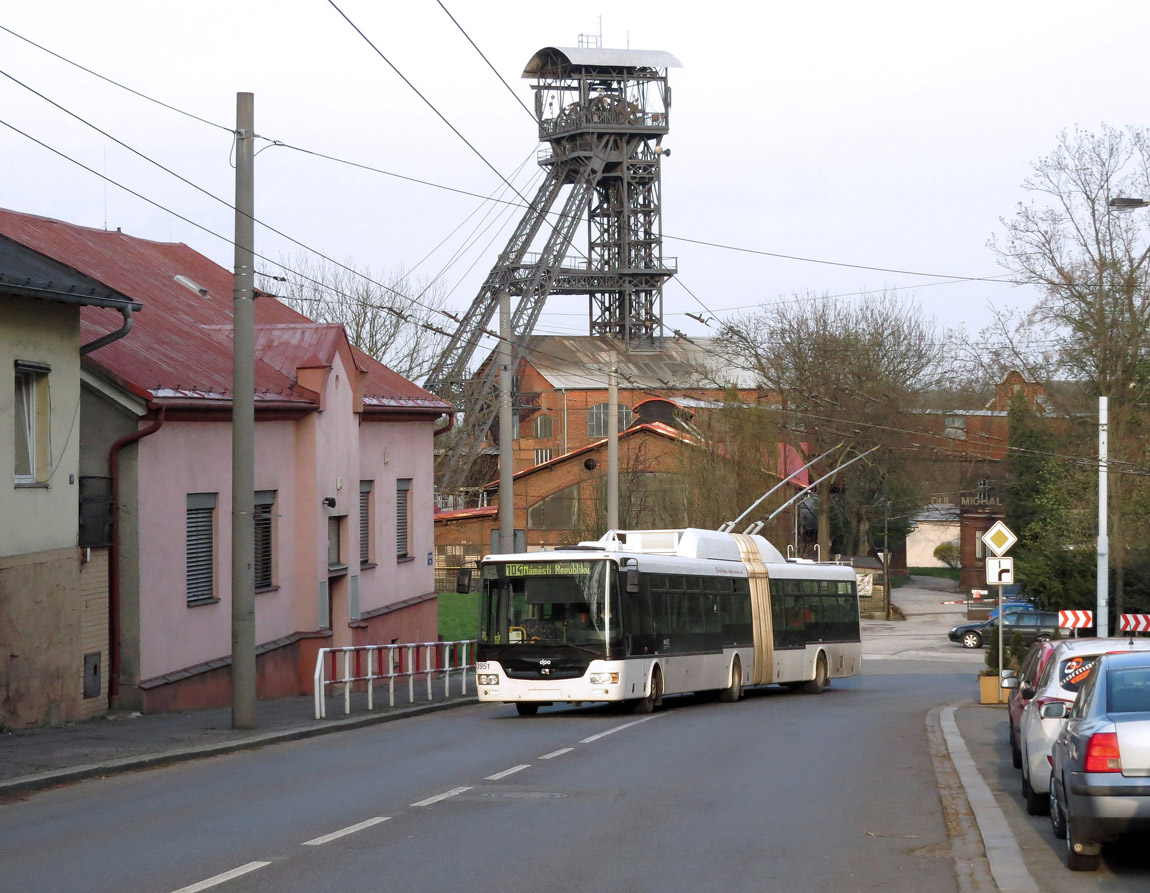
(1102, 753)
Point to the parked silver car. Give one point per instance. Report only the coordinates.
(1100, 777)
(1066, 672)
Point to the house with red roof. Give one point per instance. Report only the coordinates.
(343, 477)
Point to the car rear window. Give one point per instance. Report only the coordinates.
(1074, 671)
(1128, 690)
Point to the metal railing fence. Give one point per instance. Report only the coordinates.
(365, 666)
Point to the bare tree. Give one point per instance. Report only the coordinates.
(845, 372)
(1093, 268)
(387, 315)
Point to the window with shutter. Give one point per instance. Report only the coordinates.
(403, 518)
(201, 558)
(264, 531)
(365, 550)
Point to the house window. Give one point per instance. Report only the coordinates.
(264, 519)
(598, 416)
(955, 427)
(555, 512)
(336, 564)
(201, 548)
(33, 413)
(543, 427)
(542, 456)
(403, 518)
(365, 543)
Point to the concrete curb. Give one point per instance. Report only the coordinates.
(53, 777)
(1002, 850)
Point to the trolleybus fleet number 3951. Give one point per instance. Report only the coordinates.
(639, 614)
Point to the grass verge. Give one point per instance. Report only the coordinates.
(458, 615)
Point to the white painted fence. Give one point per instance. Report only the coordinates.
(363, 666)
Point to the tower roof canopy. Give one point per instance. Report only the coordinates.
(559, 61)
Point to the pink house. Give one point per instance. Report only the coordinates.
(344, 478)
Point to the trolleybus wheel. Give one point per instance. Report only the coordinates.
(816, 685)
(647, 704)
(526, 708)
(734, 691)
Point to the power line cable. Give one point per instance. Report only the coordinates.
(114, 83)
(488, 61)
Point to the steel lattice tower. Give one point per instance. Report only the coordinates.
(603, 114)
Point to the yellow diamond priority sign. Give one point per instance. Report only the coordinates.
(999, 538)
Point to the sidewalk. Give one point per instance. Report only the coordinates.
(32, 759)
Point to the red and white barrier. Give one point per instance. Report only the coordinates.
(1075, 619)
(1135, 623)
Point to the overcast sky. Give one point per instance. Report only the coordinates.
(883, 135)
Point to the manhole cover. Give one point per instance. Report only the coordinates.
(527, 795)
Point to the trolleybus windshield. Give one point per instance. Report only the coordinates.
(548, 603)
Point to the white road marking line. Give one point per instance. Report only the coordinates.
(452, 793)
(343, 832)
(556, 753)
(220, 878)
(506, 772)
(625, 725)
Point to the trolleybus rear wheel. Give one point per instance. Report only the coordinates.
(734, 691)
(816, 685)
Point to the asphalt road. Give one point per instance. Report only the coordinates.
(781, 791)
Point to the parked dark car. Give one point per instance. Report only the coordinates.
(1034, 626)
(1100, 777)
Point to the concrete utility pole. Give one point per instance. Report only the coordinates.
(613, 443)
(506, 435)
(1102, 618)
(244, 426)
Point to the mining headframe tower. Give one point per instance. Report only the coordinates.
(603, 114)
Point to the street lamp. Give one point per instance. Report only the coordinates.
(1123, 204)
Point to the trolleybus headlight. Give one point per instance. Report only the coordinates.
(604, 678)
(488, 678)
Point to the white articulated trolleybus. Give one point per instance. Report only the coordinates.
(640, 614)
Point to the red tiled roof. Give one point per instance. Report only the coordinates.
(180, 346)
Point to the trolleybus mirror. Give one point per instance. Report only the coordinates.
(632, 579)
(463, 581)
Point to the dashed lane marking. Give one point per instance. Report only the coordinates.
(221, 878)
(556, 753)
(454, 792)
(506, 772)
(625, 725)
(343, 832)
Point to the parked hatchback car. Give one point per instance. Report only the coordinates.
(1100, 777)
(1067, 670)
(1034, 625)
(1023, 688)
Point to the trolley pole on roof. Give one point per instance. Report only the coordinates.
(243, 426)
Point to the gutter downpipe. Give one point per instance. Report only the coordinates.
(114, 564)
(450, 424)
(86, 349)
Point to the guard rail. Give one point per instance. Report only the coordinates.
(367, 665)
